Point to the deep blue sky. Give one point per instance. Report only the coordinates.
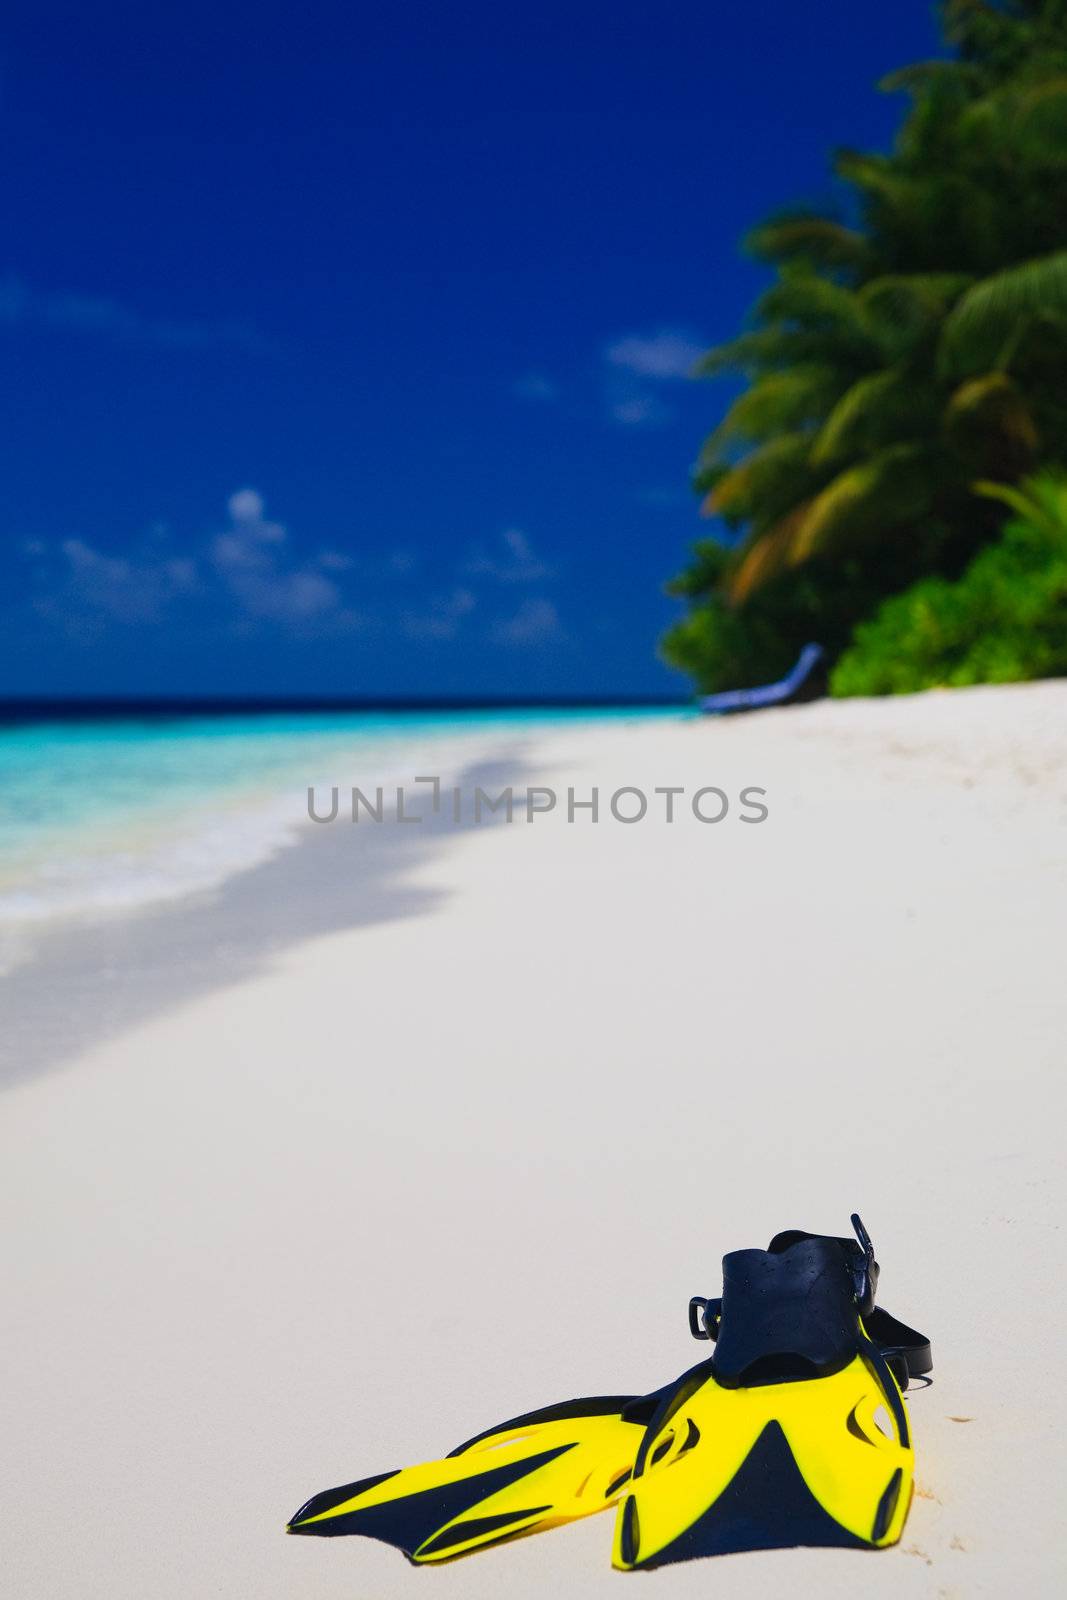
(413, 283)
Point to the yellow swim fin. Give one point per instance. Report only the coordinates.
(534, 1472)
(795, 1431)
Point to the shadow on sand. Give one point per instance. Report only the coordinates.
(92, 981)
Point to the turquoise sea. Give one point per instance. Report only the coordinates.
(101, 816)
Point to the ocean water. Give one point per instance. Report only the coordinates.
(101, 817)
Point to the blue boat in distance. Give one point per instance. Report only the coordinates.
(806, 681)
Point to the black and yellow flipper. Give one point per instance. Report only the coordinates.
(795, 1431)
(531, 1473)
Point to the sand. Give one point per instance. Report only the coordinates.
(440, 1128)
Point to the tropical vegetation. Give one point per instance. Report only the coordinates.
(908, 349)
(1003, 621)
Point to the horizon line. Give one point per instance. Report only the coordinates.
(15, 709)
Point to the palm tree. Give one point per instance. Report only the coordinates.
(904, 349)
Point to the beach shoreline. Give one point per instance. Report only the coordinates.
(407, 1130)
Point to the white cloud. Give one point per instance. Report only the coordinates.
(640, 411)
(247, 570)
(107, 317)
(136, 590)
(513, 561)
(248, 579)
(517, 564)
(637, 364)
(246, 508)
(535, 386)
(92, 587)
(443, 617)
(250, 560)
(335, 561)
(661, 356)
(535, 622)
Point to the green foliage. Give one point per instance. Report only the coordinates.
(1003, 621)
(904, 349)
(987, 326)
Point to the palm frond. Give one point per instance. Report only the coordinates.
(877, 493)
(758, 350)
(764, 483)
(710, 559)
(990, 416)
(879, 182)
(803, 236)
(876, 407)
(1041, 502)
(764, 558)
(902, 309)
(992, 315)
(1017, 500)
(777, 347)
(891, 487)
(983, 32)
(777, 402)
(917, 78)
(1039, 122)
(803, 299)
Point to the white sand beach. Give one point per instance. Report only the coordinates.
(432, 1127)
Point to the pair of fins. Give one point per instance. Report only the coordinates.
(794, 1432)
